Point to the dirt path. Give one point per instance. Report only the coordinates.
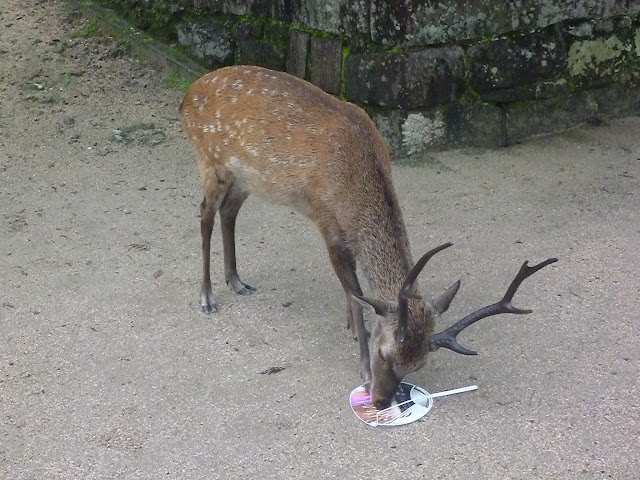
(109, 370)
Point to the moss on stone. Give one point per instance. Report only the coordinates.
(598, 56)
(345, 54)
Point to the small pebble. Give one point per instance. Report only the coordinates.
(117, 135)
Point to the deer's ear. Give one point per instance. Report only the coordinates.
(441, 303)
(376, 306)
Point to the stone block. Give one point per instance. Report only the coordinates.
(339, 17)
(374, 79)
(542, 117)
(475, 125)
(210, 40)
(511, 63)
(410, 23)
(605, 58)
(246, 30)
(408, 80)
(434, 76)
(298, 49)
(617, 100)
(325, 58)
(277, 34)
(261, 53)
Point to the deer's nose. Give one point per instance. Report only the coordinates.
(381, 403)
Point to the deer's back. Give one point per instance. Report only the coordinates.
(286, 140)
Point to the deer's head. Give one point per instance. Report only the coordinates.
(404, 334)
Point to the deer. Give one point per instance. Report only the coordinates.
(272, 134)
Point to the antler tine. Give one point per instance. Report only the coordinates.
(447, 338)
(406, 293)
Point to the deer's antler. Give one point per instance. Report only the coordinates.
(447, 338)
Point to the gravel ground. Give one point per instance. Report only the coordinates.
(108, 369)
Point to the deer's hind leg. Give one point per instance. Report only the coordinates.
(214, 191)
(228, 213)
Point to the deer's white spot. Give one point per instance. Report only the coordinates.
(286, 160)
(250, 91)
(237, 84)
(252, 150)
(199, 102)
(234, 100)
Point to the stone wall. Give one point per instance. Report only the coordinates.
(435, 74)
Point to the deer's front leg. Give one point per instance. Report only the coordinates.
(362, 337)
(344, 265)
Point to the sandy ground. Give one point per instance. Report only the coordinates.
(108, 369)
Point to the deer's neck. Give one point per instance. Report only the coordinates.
(385, 256)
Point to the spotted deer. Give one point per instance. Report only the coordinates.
(269, 133)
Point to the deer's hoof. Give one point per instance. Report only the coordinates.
(240, 287)
(245, 290)
(210, 308)
(207, 302)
